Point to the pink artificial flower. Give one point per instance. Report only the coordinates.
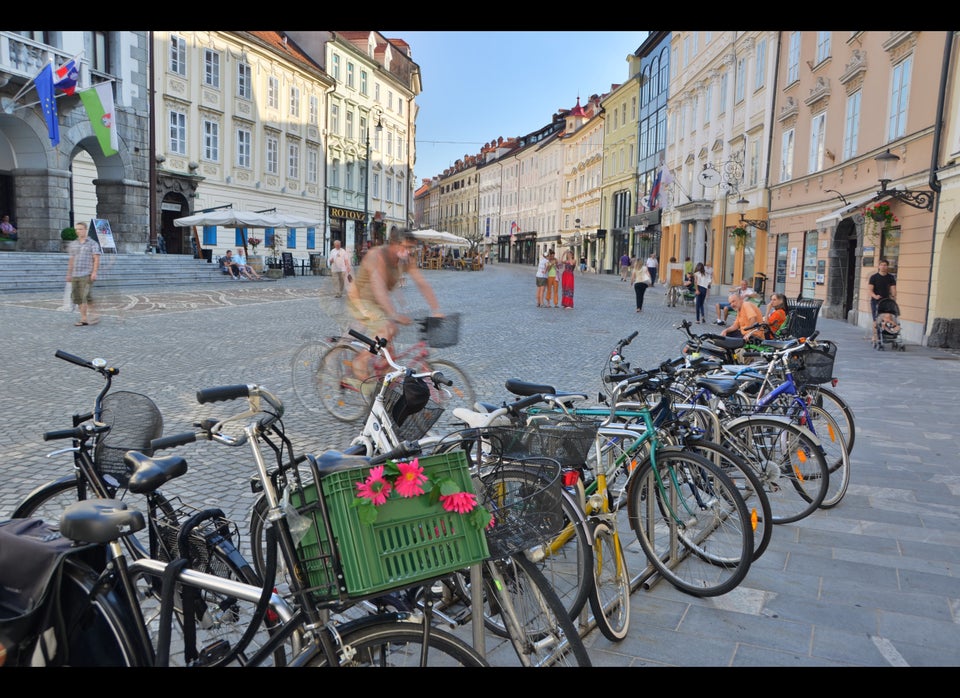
(409, 482)
(375, 487)
(459, 502)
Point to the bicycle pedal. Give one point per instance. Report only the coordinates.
(213, 652)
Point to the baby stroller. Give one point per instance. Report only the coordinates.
(886, 328)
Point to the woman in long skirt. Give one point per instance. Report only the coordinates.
(566, 279)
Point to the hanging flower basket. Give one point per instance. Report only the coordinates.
(739, 236)
(878, 218)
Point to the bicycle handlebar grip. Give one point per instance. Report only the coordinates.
(222, 393)
(440, 379)
(631, 337)
(187, 437)
(61, 354)
(522, 403)
(363, 338)
(63, 434)
(403, 450)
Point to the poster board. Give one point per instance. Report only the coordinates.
(101, 232)
(287, 258)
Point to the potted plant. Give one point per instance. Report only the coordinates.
(275, 261)
(255, 260)
(67, 235)
(878, 218)
(739, 236)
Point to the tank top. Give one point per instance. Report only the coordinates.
(362, 280)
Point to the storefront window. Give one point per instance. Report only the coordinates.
(808, 288)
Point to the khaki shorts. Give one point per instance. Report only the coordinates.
(80, 289)
(375, 322)
(541, 281)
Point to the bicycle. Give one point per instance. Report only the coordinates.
(120, 421)
(331, 378)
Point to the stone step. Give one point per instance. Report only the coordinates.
(46, 271)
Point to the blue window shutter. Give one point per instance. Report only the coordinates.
(209, 235)
(291, 238)
(240, 237)
(268, 237)
(311, 238)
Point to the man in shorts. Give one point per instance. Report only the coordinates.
(82, 272)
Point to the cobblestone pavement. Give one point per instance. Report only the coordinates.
(872, 582)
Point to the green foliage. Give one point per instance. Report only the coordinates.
(68, 234)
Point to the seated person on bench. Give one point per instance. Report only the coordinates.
(748, 315)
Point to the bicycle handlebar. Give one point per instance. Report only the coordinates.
(99, 365)
(75, 433)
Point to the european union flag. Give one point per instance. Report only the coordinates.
(44, 84)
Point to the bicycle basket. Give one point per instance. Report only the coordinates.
(134, 421)
(410, 426)
(566, 439)
(815, 365)
(204, 538)
(525, 511)
(440, 332)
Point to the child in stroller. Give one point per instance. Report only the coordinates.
(886, 329)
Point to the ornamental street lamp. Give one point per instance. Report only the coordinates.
(760, 223)
(917, 199)
(366, 178)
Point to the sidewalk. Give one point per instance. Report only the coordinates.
(871, 583)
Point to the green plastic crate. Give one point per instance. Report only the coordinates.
(411, 540)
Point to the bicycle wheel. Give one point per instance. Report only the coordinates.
(340, 393)
(610, 594)
(691, 522)
(396, 643)
(826, 429)
(748, 485)
(101, 629)
(788, 459)
(223, 622)
(837, 407)
(48, 501)
(540, 630)
(305, 370)
(449, 397)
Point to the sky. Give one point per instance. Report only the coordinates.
(478, 86)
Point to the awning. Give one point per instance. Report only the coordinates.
(842, 212)
(228, 218)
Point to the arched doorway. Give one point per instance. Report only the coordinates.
(842, 277)
(174, 206)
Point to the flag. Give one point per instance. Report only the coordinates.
(66, 76)
(98, 101)
(44, 83)
(655, 190)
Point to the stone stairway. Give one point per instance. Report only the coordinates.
(46, 271)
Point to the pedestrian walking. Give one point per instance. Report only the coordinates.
(625, 267)
(653, 266)
(883, 285)
(340, 268)
(640, 276)
(82, 268)
(701, 285)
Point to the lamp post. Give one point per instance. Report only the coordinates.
(756, 223)
(917, 199)
(366, 180)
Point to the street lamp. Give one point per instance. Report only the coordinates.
(917, 199)
(761, 224)
(366, 178)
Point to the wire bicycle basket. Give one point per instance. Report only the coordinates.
(564, 438)
(815, 365)
(134, 421)
(410, 427)
(525, 511)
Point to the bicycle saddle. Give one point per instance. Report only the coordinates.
(100, 521)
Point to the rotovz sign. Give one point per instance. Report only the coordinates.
(346, 213)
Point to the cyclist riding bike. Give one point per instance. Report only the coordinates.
(369, 299)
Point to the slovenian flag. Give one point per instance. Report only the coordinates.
(655, 190)
(48, 103)
(65, 77)
(98, 101)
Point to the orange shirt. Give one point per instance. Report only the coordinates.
(775, 319)
(748, 315)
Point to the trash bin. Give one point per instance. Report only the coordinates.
(803, 316)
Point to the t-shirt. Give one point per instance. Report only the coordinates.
(882, 283)
(748, 315)
(542, 268)
(775, 319)
(625, 261)
(338, 260)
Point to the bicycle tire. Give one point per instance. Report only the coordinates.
(541, 631)
(461, 393)
(749, 486)
(48, 501)
(610, 593)
(691, 522)
(339, 393)
(305, 374)
(826, 429)
(838, 408)
(788, 459)
(397, 643)
(101, 630)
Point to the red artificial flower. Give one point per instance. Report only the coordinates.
(409, 482)
(459, 502)
(375, 487)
